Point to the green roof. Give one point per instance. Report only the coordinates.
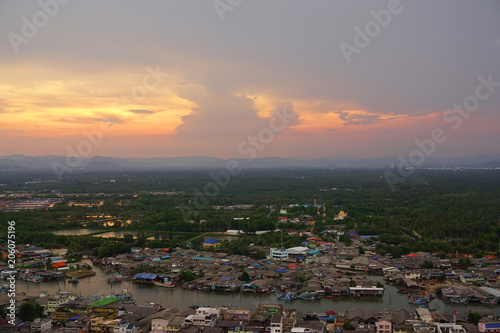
(105, 301)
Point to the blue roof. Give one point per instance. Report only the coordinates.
(202, 258)
(147, 276)
(492, 325)
(281, 270)
(74, 318)
(225, 278)
(255, 264)
(210, 241)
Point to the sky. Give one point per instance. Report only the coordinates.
(297, 79)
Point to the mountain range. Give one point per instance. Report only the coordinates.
(103, 163)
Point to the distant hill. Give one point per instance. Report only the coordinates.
(103, 163)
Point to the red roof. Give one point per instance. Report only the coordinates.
(412, 255)
(59, 264)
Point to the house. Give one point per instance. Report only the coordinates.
(449, 328)
(41, 325)
(384, 327)
(175, 324)
(210, 243)
(489, 327)
(126, 327)
(161, 320)
(276, 326)
(242, 316)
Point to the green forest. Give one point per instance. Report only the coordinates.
(433, 210)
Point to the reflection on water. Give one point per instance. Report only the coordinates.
(75, 231)
(178, 297)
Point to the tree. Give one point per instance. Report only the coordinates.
(261, 254)
(187, 276)
(427, 264)
(441, 255)
(464, 262)
(244, 276)
(473, 318)
(128, 238)
(352, 283)
(348, 326)
(30, 310)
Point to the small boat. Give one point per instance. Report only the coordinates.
(163, 281)
(419, 298)
(188, 286)
(488, 301)
(459, 300)
(74, 279)
(287, 297)
(308, 296)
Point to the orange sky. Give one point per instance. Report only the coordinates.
(174, 79)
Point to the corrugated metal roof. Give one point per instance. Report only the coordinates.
(147, 276)
(492, 291)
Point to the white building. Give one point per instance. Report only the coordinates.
(234, 232)
(278, 254)
(276, 326)
(41, 325)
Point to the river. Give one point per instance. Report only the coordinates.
(182, 298)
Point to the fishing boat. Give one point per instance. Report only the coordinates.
(289, 296)
(74, 279)
(164, 281)
(418, 298)
(459, 300)
(308, 296)
(488, 301)
(189, 286)
(117, 278)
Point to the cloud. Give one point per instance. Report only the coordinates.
(363, 118)
(2, 106)
(109, 120)
(142, 111)
(331, 129)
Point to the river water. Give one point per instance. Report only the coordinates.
(182, 298)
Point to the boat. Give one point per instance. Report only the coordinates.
(74, 279)
(289, 296)
(418, 298)
(308, 296)
(188, 286)
(117, 278)
(164, 281)
(489, 301)
(459, 300)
